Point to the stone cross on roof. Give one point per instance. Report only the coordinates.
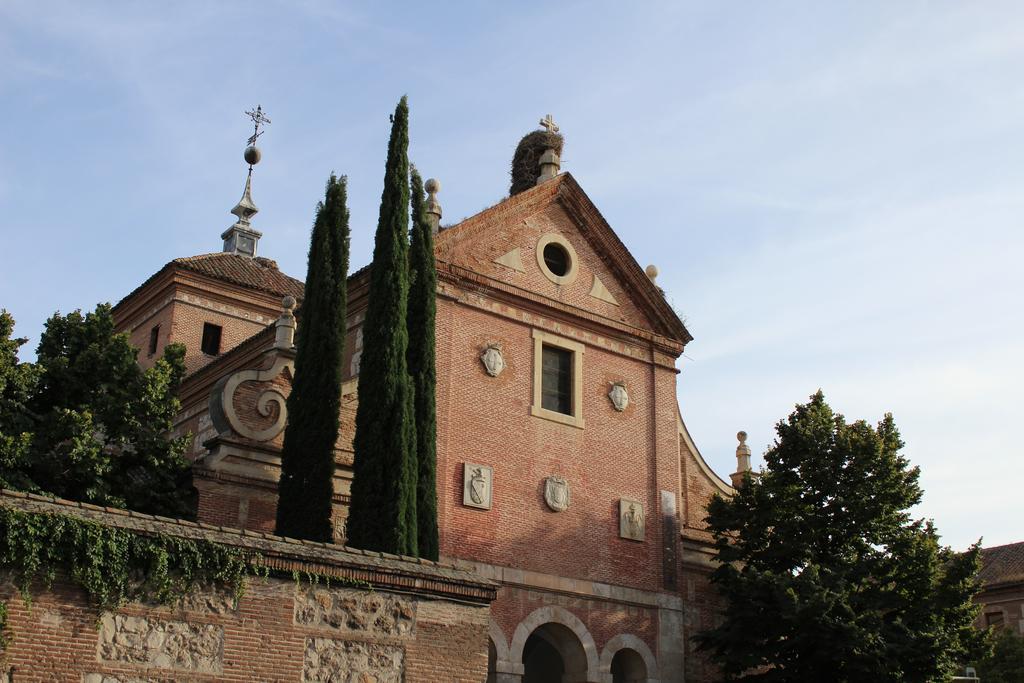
(549, 123)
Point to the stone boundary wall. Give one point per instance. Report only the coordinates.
(421, 621)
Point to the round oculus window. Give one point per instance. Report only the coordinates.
(556, 258)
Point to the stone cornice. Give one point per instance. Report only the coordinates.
(465, 278)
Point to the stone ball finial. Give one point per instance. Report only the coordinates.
(652, 272)
(288, 303)
(432, 186)
(741, 436)
(252, 155)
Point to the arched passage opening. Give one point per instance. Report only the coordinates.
(553, 654)
(628, 667)
(492, 661)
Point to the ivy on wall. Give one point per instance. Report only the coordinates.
(113, 566)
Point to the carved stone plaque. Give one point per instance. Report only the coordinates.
(631, 519)
(492, 359)
(476, 485)
(556, 493)
(618, 395)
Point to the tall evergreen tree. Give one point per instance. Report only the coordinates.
(382, 515)
(422, 362)
(826, 576)
(307, 458)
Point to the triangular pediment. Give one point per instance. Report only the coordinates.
(552, 241)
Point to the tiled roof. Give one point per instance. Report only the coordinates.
(1002, 564)
(256, 273)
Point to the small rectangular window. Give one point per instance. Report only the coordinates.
(154, 339)
(994, 619)
(556, 380)
(211, 339)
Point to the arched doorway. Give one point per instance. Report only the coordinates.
(628, 667)
(492, 661)
(553, 654)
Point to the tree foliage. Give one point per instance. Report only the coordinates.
(1005, 664)
(306, 487)
(86, 422)
(422, 370)
(382, 515)
(825, 574)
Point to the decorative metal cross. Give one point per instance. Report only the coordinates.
(257, 117)
(549, 123)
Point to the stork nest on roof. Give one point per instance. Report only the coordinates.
(526, 160)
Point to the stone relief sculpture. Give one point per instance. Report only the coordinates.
(492, 359)
(618, 395)
(476, 485)
(556, 493)
(631, 519)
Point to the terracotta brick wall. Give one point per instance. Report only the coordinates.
(434, 628)
(487, 420)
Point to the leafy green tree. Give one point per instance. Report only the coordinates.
(382, 515)
(826, 576)
(307, 458)
(17, 384)
(1006, 662)
(86, 422)
(422, 367)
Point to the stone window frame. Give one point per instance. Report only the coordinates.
(574, 261)
(540, 340)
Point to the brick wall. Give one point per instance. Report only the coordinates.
(423, 621)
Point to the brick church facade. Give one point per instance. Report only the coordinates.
(565, 471)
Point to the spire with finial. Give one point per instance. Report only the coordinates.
(550, 161)
(433, 186)
(742, 460)
(242, 238)
(284, 337)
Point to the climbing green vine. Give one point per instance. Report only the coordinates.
(111, 565)
(115, 566)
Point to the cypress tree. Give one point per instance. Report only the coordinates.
(382, 515)
(307, 458)
(422, 370)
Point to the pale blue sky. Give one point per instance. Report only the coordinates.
(832, 191)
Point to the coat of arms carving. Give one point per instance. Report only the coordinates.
(476, 485)
(492, 359)
(619, 396)
(556, 493)
(631, 519)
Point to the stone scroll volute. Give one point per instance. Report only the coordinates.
(270, 401)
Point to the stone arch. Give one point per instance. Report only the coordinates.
(562, 617)
(631, 642)
(497, 640)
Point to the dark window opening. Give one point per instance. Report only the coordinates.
(211, 339)
(556, 258)
(994, 619)
(154, 339)
(556, 380)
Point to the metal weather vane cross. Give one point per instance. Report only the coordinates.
(258, 117)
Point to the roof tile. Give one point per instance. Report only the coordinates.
(1002, 564)
(256, 273)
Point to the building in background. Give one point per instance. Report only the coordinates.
(1002, 593)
